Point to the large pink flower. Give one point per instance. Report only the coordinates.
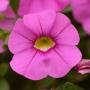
(44, 44)
(7, 16)
(81, 12)
(33, 6)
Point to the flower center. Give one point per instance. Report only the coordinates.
(44, 43)
(2, 17)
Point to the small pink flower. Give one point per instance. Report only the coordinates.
(44, 44)
(7, 16)
(81, 12)
(1, 46)
(84, 66)
(34, 6)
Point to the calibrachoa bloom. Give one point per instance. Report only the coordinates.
(7, 16)
(84, 66)
(81, 12)
(44, 44)
(34, 6)
(1, 46)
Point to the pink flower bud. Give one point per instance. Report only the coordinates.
(84, 66)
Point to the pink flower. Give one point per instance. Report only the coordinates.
(1, 46)
(81, 12)
(84, 66)
(34, 6)
(44, 44)
(7, 16)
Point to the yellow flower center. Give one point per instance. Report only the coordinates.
(2, 17)
(44, 44)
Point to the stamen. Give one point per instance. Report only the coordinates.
(44, 43)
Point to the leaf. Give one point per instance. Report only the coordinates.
(59, 88)
(45, 83)
(3, 34)
(3, 69)
(14, 4)
(70, 86)
(4, 85)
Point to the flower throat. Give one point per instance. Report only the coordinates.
(44, 43)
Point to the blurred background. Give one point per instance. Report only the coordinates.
(9, 80)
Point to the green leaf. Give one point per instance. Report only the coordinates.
(68, 9)
(3, 34)
(3, 69)
(14, 4)
(4, 85)
(59, 88)
(45, 83)
(70, 86)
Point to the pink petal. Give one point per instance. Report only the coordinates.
(64, 3)
(37, 69)
(47, 20)
(68, 36)
(3, 5)
(60, 24)
(41, 21)
(21, 61)
(22, 30)
(84, 71)
(56, 66)
(36, 3)
(21, 38)
(7, 24)
(83, 67)
(86, 25)
(84, 62)
(9, 13)
(79, 2)
(17, 43)
(24, 7)
(46, 5)
(31, 21)
(70, 54)
(36, 6)
(29, 65)
(82, 7)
